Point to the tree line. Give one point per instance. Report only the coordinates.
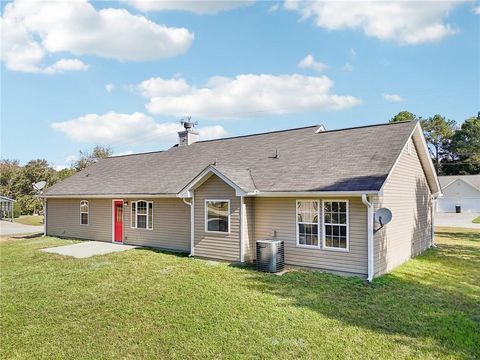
(454, 148)
(16, 181)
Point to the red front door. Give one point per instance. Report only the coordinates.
(118, 221)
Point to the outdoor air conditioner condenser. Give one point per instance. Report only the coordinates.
(270, 256)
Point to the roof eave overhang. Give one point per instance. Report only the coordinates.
(311, 193)
(108, 196)
(210, 170)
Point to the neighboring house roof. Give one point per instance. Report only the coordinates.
(472, 180)
(347, 160)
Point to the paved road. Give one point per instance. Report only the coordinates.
(463, 220)
(8, 228)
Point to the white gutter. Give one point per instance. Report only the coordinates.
(192, 224)
(370, 257)
(111, 196)
(242, 230)
(308, 193)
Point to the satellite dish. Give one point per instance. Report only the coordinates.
(39, 185)
(383, 216)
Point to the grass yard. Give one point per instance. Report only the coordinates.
(147, 304)
(30, 220)
(476, 220)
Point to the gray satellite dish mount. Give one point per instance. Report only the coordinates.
(382, 216)
(39, 185)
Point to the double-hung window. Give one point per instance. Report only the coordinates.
(84, 212)
(308, 217)
(217, 216)
(335, 224)
(142, 214)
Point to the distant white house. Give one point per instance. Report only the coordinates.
(463, 190)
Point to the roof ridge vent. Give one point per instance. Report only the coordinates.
(321, 128)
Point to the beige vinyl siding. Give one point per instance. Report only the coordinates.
(217, 245)
(249, 229)
(407, 195)
(63, 219)
(279, 214)
(171, 226)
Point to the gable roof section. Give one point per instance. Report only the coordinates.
(347, 160)
(471, 180)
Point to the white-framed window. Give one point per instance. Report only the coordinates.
(308, 223)
(142, 214)
(217, 216)
(335, 224)
(84, 210)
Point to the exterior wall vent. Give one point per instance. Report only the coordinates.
(270, 256)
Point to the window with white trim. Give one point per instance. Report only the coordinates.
(335, 224)
(84, 212)
(142, 214)
(217, 216)
(308, 217)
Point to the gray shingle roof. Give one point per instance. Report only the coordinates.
(471, 179)
(355, 159)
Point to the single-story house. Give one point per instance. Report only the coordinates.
(317, 190)
(463, 190)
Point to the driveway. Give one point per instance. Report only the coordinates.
(9, 228)
(87, 249)
(463, 220)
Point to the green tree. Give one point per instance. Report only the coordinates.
(465, 149)
(34, 171)
(438, 133)
(87, 158)
(65, 173)
(9, 169)
(403, 116)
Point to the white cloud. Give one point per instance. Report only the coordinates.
(131, 129)
(476, 10)
(109, 88)
(65, 65)
(245, 95)
(352, 52)
(274, 8)
(195, 6)
(309, 62)
(60, 167)
(33, 29)
(347, 67)
(128, 152)
(406, 22)
(392, 97)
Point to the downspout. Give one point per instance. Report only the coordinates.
(44, 217)
(370, 257)
(433, 206)
(192, 224)
(242, 230)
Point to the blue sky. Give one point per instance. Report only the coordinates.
(236, 68)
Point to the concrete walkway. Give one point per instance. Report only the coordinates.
(9, 228)
(87, 249)
(462, 220)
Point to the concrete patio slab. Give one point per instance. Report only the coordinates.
(87, 249)
(463, 220)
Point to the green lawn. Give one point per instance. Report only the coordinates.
(30, 220)
(476, 220)
(148, 304)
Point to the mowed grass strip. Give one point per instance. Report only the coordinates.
(30, 220)
(148, 304)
